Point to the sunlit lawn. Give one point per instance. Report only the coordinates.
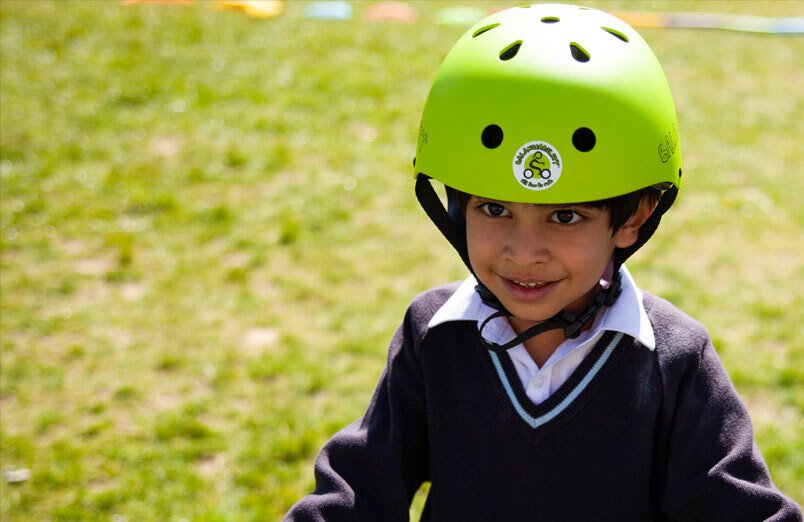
(209, 235)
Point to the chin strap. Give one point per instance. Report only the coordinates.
(571, 324)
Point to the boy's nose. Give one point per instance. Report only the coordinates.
(527, 246)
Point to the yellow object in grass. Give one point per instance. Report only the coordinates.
(254, 8)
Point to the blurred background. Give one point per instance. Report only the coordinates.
(209, 235)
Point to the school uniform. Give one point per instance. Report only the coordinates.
(634, 420)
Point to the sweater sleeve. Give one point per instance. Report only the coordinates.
(713, 468)
(371, 469)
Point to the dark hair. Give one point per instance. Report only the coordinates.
(619, 208)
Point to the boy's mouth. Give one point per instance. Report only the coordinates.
(529, 290)
(526, 289)
(531, 284)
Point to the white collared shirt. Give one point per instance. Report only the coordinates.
(626, 315)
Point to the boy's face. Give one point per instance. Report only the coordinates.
(541, 259)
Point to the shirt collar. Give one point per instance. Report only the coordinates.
(626, 315)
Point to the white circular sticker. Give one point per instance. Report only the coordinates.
(537, 165)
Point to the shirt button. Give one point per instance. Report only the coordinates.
(538, 381)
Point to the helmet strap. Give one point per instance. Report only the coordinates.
(648, 228)
(435, 210)
(571, 324)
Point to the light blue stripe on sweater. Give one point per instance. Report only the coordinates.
(535, 422)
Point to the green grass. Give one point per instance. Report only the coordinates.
(209, 235)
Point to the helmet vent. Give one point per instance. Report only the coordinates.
(492, 136)
(484, 29)
(584, 139)
(579, 53)
(550, 19)
(616, 34)
(510, 51)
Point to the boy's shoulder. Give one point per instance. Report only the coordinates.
(421, 309)
(424, 306)
(678, 335)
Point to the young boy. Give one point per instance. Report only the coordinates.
(547, 386)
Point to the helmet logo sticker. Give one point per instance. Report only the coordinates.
(537, 165)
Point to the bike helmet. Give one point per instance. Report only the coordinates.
(548, 104)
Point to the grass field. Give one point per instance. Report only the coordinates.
(209, 235)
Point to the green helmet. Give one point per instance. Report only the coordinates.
(550, 104)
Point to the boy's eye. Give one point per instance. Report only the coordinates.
(566, 217)
(494, 209)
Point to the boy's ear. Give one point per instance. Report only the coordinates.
(629, 232)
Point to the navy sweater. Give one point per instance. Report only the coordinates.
(633, 434)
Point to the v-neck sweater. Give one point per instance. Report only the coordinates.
(633, 434)
(626, 315)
